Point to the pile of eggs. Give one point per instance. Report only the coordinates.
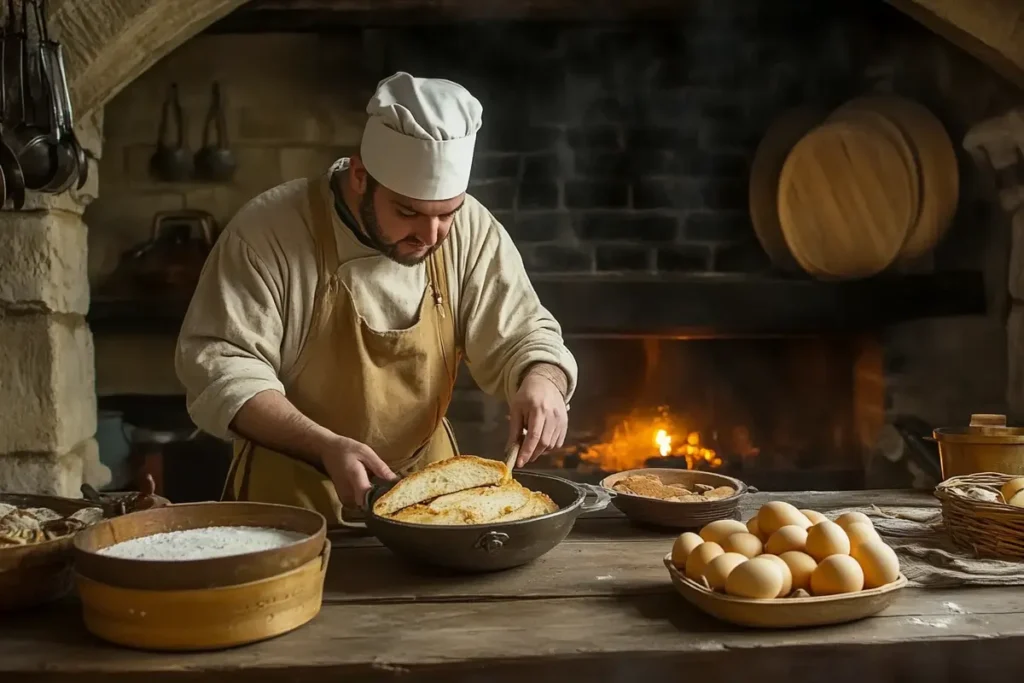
(782, 551)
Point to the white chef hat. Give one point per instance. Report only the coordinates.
(420, 136)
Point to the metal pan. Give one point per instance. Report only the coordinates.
(487, 547)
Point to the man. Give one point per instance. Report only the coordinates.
(330, 318)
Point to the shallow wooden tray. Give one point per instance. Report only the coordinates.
(785, 612)
(195, 574)
(674, 514)
(205, 619)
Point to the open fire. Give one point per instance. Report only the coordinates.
(647, 434)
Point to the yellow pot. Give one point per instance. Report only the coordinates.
(986, 445)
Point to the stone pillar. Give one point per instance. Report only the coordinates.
(997, 146)
(47, 387)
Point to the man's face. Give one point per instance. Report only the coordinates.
(405, 230)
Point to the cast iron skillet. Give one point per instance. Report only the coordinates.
(487, 547)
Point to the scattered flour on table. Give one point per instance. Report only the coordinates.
(202, 544)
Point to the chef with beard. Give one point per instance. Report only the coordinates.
(333, 312)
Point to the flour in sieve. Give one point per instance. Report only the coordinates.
(202, 544)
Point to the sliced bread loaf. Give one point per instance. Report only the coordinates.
(472, 506)
(439, 479)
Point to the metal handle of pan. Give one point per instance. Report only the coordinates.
(491, 542)
(601, 498)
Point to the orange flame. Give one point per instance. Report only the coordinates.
(641, 435)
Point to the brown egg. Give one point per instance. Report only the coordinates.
(1011, 488)
(827, 538)
(879, 562)
(759, 578)
(699, 558)
(847, 518)
(753, 528)
(858, 533)
(801, 566)
(682, 548)
(719, 568)
(837, 574)
(721, 529)
(787, 575)
(777, 514)
(745, 544)
(1017, 500)
(787, 538)
(814, 516)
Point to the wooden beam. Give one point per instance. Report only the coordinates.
(991, 30)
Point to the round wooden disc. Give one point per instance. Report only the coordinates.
(892, 132)
(845, 200)
(771, 153)
(940, 176)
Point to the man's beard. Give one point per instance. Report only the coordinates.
(368, 216)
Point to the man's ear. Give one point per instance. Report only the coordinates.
(357, 175)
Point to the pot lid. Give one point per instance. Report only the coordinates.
(984, 428)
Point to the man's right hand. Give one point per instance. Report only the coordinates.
(349, 464)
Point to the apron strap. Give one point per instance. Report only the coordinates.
(317, 193)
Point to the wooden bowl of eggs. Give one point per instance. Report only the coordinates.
(786, 568)
(675, 498)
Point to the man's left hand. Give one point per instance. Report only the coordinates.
(538, 407)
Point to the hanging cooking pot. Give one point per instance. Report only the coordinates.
(61, 133)
(215, 161)
(173, 259)
(985, 445)
(171, 162)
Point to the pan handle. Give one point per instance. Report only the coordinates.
(601, 498)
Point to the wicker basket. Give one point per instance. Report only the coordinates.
(994, 530)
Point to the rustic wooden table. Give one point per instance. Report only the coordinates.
(599, 607)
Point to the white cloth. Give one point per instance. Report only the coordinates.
(420, 136)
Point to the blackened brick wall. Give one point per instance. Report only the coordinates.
(625, 148)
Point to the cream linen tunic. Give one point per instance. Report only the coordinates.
(251, 311)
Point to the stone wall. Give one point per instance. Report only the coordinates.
(605, 149)
(47, 394)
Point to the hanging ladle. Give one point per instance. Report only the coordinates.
(171, 162)
(215, 161)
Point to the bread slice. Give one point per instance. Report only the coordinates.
(540, 504)
(472, 506)
(440, 479)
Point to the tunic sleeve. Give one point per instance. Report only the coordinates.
(505, 328)
(229, 348)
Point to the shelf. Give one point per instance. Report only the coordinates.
(695, 306)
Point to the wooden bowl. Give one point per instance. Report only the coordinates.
(37, 573)
(197, 574)
(205, 619)
(785, 612)
(674, 514)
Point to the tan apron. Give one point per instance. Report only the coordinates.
(389, 390)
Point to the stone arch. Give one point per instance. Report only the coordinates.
(109, 43)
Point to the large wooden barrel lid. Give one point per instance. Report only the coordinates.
(771, 153)
(846, 200)
(937, 164)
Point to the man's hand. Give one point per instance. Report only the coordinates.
(538, 407)
(349, 464)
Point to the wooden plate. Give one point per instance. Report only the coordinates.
(846, 200)
(673, 514)
(786, 612)
(937, 164)
(194, 574)
(205, 619)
